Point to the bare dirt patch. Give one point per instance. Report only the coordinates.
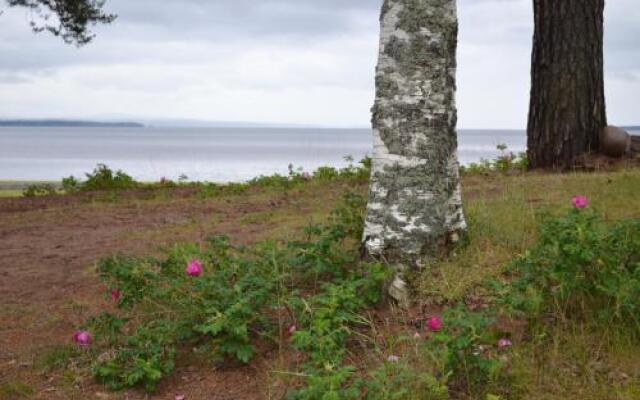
(48, 286)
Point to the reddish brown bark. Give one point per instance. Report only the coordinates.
(567, 110)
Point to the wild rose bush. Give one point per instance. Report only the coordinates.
(212, 298)
(469, 344)
(582, 266)
(221, 299)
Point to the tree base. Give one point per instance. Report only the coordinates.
(399, 291)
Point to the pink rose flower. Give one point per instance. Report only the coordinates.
(82, 338)
(115, 294)
(504, 343)
(194, 268)
(434, 324)
(580, 202)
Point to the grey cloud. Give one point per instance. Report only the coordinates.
(328, 44)
(224, 19)
(168, 30)
(14, 78)
(627, 76)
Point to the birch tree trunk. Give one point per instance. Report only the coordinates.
(415, 206)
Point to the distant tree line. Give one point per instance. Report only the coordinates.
(67, 123)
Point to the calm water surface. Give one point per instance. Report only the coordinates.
(213, 154)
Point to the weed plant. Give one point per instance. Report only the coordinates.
(506, 162)
(38, 190)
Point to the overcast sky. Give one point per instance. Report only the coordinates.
(280, 61)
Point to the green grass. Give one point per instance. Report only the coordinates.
(10, 193)
(503, 213)
(571, 361)
(15, 390)
(54, 357)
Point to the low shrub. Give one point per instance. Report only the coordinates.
(221, 299)
(400, 381)
(506, 162)
(70, 184)
(582, 267)
(39, 190)
(209, 189)
(295, 178)
(102, 178)
(163, 305)
(470, 347)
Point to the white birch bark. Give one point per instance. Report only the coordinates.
(415, 206)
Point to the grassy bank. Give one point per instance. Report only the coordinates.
(551, 357)
(10, 193)
(16, 188)
(570, 359)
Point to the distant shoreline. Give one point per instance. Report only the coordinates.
(54, 123)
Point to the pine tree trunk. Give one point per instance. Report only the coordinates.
(415, 207)
(567, 110)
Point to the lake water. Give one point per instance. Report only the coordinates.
(212, 154)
